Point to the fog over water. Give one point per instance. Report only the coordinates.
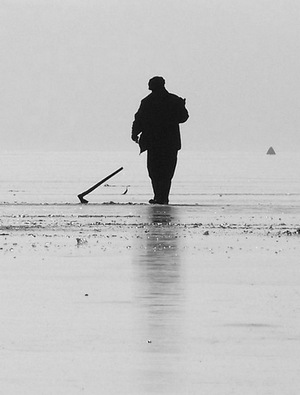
(73, 72)
(207, 178)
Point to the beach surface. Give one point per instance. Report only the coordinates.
(139, 299)
(120, 297)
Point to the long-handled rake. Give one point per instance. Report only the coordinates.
(81, 195)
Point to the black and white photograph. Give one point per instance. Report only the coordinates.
(150, 197)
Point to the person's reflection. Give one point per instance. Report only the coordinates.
(159, 285)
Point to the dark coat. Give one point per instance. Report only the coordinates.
(157, 121)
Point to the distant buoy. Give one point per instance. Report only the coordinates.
(271, 151)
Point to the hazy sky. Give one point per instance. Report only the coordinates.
(73, 72)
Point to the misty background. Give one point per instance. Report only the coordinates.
(73, 72)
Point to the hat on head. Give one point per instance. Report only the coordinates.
(156, 83)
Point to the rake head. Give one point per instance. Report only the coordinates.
(82, 200)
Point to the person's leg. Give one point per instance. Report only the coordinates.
(169, 166)
(153, 171)
(161, 165)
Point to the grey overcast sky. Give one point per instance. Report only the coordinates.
(73, 72)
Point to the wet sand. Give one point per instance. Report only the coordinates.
(138, 299)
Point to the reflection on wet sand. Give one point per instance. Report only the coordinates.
(159, 289)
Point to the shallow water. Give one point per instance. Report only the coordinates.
(201, 178)
(140, 299)
(201, 296)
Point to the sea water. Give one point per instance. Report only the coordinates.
(200, 178)
(138, 306)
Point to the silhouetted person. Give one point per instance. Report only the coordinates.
(156, 129)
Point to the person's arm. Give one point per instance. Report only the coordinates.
(137, 125)
(182, 112)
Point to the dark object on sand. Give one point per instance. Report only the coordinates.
(271, 151)
(81, 195)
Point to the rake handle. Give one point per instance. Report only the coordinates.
(81, 195)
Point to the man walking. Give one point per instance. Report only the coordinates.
(156, 130)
